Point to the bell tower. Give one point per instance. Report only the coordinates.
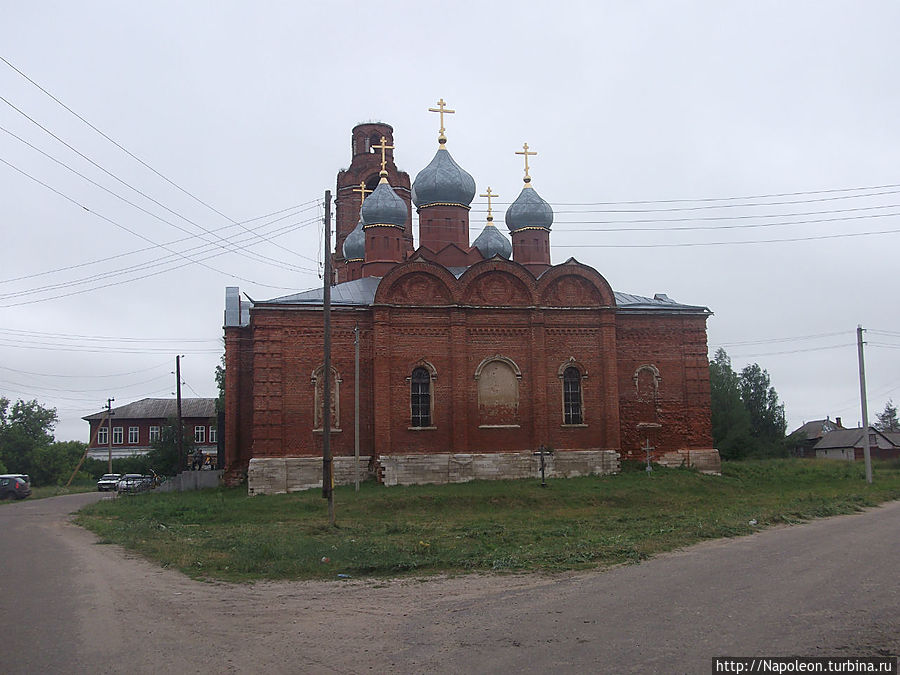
(365, 167)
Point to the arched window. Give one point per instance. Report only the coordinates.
(572, 396)
(420, 397)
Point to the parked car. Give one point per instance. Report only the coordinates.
(14, 486)
(108, 482)
(133, 482)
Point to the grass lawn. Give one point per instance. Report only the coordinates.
(481, 526)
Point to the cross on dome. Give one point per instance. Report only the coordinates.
(384, 146)
(442, 139)
(362, 191)
(526, 153)
(490, 195)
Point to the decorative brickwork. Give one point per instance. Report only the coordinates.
(509, 355)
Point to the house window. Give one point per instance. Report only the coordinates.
(133, 434)
(572, 396)
(118, 435)
(212, 435)
(103, 436)
(154, 433)
(200, 434)
(420, 398)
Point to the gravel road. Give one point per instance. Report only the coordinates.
(826, 588)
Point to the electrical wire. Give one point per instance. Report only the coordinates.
(130, 231)
(255, 256)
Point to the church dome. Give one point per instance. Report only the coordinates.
(491, 242)
(443, 181)
(384, 207)
(528, 211)
(355, 243)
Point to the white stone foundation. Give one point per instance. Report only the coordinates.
(278, 475)
(459, 468)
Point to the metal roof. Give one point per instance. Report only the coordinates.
(361, 293)
(852, 438)
(161, 408)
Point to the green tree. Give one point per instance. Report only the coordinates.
(25, 427)
(767, 421)
(54, 463)
(747, 418)
(164, 456)
(220, 383)
(887, 420)
(730, 419)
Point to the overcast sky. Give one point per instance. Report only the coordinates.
(667, 133)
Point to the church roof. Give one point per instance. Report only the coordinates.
(361, 293)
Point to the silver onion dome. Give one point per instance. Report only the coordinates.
(383, 207)
(443, 181)
(491, 242)
(529, 210)
(355, 243)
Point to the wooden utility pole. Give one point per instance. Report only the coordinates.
(109, 431)
(87, 450)
(867, 455)
(327, 463)
(179, 432)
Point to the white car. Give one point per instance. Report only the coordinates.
(108, 481)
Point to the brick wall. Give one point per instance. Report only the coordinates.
(423, 316)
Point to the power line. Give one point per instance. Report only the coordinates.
(154, 265)
(794, 351)
(784, 339)
(257, 256)
(130, 231)
(132, 372)
(130, 154)
(169, 243)
(725, 206)
(733, 243)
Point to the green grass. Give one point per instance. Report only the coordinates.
(481, 526)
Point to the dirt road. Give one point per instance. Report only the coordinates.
(830, 587)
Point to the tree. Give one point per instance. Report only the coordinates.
(887, 420)
(25, 428)
(767, 421)
(163, 455)
(220, 383)
(730, 418)
(747, 418)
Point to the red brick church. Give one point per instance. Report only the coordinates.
(472, 355)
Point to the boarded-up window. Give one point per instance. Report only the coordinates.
(318, 382)
(646, 380)
(498, 393)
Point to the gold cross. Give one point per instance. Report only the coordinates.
(362, 192)
(384, 146)
(441, 109)
(526, 153)
(489, 196)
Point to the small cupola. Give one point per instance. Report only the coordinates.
(491, 241)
